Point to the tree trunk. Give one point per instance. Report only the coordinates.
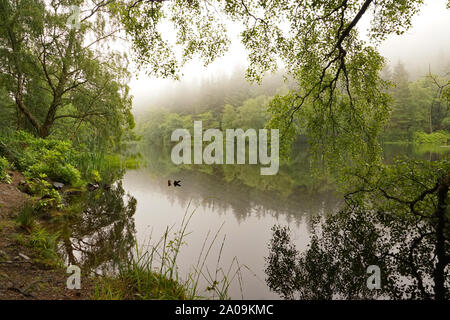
(21, 106)
(50, 118)
(19, 118)
(44, 131)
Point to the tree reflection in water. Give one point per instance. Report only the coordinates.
(342, 247)
(100, 231)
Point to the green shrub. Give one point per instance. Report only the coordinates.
(50, 198)
(4, 165)
(59, 160)
(54, 162)
(56, 171)
(36, 156)
(38, 186)
(95, 176)
(436, 138)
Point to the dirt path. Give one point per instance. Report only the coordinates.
(20, 276)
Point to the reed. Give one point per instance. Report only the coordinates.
(153, 272)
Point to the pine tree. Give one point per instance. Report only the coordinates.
(402, 114)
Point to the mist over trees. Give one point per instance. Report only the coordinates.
(418, 106)
(212, 93)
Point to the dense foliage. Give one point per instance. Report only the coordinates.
(4, 165)
(61, 80)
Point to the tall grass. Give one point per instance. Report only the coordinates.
(26, 218)
(153, 273)
(105, 164)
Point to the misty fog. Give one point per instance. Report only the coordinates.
(426, 46)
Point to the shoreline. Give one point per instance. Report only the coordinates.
(22, 276)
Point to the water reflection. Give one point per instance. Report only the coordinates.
(247, 203)
(99, 230)
(344, 245)
(293, 193)
(424, 152)
(212, 193)
(399, 222)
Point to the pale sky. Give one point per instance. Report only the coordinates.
(427, 41)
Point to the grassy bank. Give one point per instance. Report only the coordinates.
(150, 273)
(30, 251)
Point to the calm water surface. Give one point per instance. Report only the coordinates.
(237, 201)
(240, 203)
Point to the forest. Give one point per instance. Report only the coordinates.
(419, 114)
(78, 159)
